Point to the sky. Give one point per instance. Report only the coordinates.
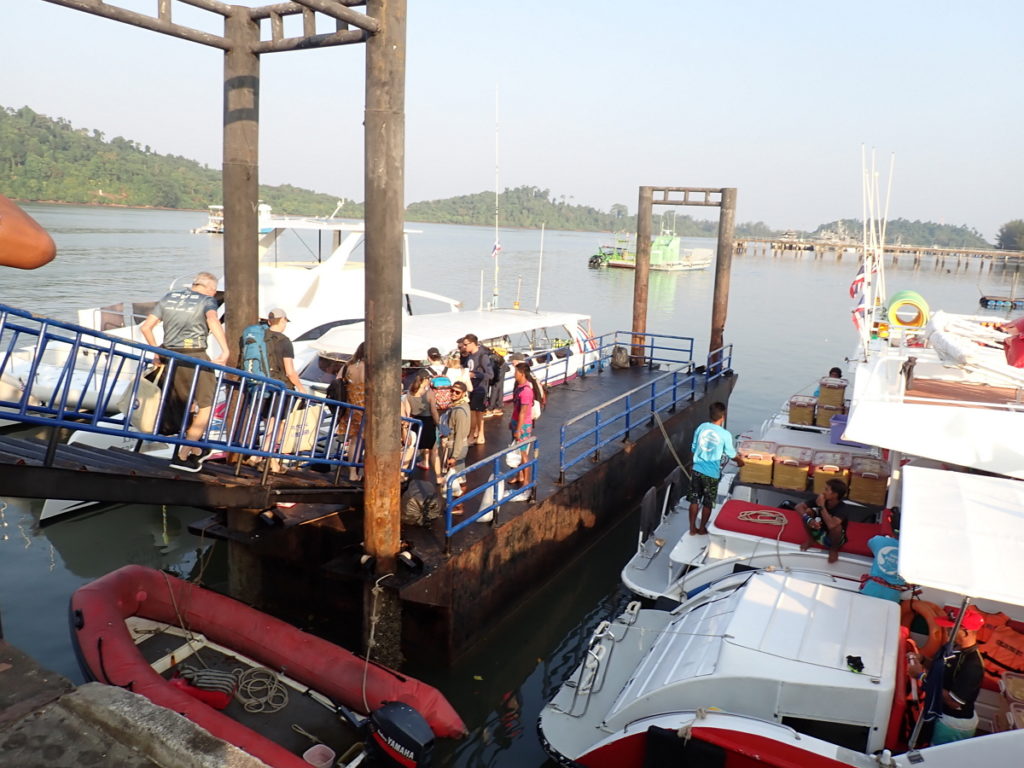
(593, 99)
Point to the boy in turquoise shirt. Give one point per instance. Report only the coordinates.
(711, 442)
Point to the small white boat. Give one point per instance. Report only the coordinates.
(214, 222)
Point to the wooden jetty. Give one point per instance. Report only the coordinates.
(940, 258)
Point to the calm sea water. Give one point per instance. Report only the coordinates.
(789, 322)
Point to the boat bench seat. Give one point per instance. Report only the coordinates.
(857, 534)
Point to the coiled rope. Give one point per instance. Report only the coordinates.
(261, 691)
(767, 517)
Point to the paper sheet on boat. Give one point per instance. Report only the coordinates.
(963, 533)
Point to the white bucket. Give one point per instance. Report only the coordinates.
(319, 755)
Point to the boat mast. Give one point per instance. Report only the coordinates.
(496, 252)
(540, 266)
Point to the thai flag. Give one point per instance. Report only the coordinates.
(496, 249)
(858, 283)
(858, 314)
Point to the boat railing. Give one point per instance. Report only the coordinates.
(659, 349)
(61, 375)
(493, 493)
(584, 436)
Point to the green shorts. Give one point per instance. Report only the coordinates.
(703, 490)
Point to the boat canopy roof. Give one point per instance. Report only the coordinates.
(771, 648)
(963, 533)
(442, 329)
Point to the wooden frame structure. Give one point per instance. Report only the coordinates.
(249, 33)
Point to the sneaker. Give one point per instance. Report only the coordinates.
(188, 464)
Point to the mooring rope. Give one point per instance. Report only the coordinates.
(671, 447)
(768, 517)
(260, 690)
(374, 616)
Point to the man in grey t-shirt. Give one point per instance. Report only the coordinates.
(189, 315)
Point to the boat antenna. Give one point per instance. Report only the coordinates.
(540, 266)
(496, 251)
(519, 291)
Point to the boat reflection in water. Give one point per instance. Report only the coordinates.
(95, 543)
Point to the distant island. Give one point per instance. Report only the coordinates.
(47, 159)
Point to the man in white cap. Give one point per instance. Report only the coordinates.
(281, 360)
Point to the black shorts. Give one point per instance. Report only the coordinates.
(184, 374)
(703, 490)
(478, 399)
(428, 437)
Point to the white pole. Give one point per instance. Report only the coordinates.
(540, 267)
(497, 189)
(481, 289)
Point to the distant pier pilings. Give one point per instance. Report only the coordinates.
(952, 259)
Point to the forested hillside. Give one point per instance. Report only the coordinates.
(49, 160)
(46, 159)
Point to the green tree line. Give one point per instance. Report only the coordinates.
(47, 159)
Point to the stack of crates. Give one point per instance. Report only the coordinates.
(792, 467)
(826, 465)
(831, 401)
(801, 409)
(758, 457)
(869, 480)
(1010, 710)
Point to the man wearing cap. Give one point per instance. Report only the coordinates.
(280, 351)
(459, 421)
(962, 675)
(189, 316)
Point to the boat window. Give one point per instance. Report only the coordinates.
(321, 370)
(853, 737)
(320, 330)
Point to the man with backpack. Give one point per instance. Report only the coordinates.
(265, 350)
(496, 388)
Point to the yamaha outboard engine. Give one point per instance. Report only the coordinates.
(398, 735)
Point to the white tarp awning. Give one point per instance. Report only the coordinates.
(963, 533)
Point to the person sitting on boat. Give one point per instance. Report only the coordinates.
(189, 316)
(884, 579)
(962, 674)
(711, 444)
(826, 519)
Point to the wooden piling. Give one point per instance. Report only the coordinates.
(641, 277)
(241, 172)
(723, 267)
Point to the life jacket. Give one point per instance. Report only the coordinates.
(254, 350)
(1003, 651)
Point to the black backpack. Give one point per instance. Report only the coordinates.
(497, 363)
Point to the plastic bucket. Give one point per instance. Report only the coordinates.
(319, 755)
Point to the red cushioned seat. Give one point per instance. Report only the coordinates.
(857, 534)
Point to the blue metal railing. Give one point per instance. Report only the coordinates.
(719, 362)
(494, 487)
(59, 374)
(659, 348)
(613, 419)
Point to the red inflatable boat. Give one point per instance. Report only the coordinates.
(115, 617)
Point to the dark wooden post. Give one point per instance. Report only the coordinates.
(385, 220)
(241, 173)
(641, 276)
(723, 267)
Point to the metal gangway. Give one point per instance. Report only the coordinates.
(62, 376)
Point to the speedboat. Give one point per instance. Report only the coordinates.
(667, 255)
(558, 345)
(246, 677)
(795, 666)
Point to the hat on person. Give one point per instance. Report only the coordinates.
(433, 353)
(277, 314)
(973, 620)
(461, 386)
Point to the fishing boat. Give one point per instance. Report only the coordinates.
(558, 345)
(207, 657)
(667, 255)
(796, 665)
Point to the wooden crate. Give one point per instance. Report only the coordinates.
(792, 467)
(832, 392)
(758, 459)
(826, 465)
(869, 480)
(824, 413)
(801, 409)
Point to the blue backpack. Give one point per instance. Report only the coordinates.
(254, 350)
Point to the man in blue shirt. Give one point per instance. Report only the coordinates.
(711, 443)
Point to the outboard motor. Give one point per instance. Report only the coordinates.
(397, 735)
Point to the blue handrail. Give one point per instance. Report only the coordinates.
(659, 348)
(500, 494)
(614, 418)
(719, 362)
(60, 374)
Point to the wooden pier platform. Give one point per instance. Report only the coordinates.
(306, 562)
(961, 258)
